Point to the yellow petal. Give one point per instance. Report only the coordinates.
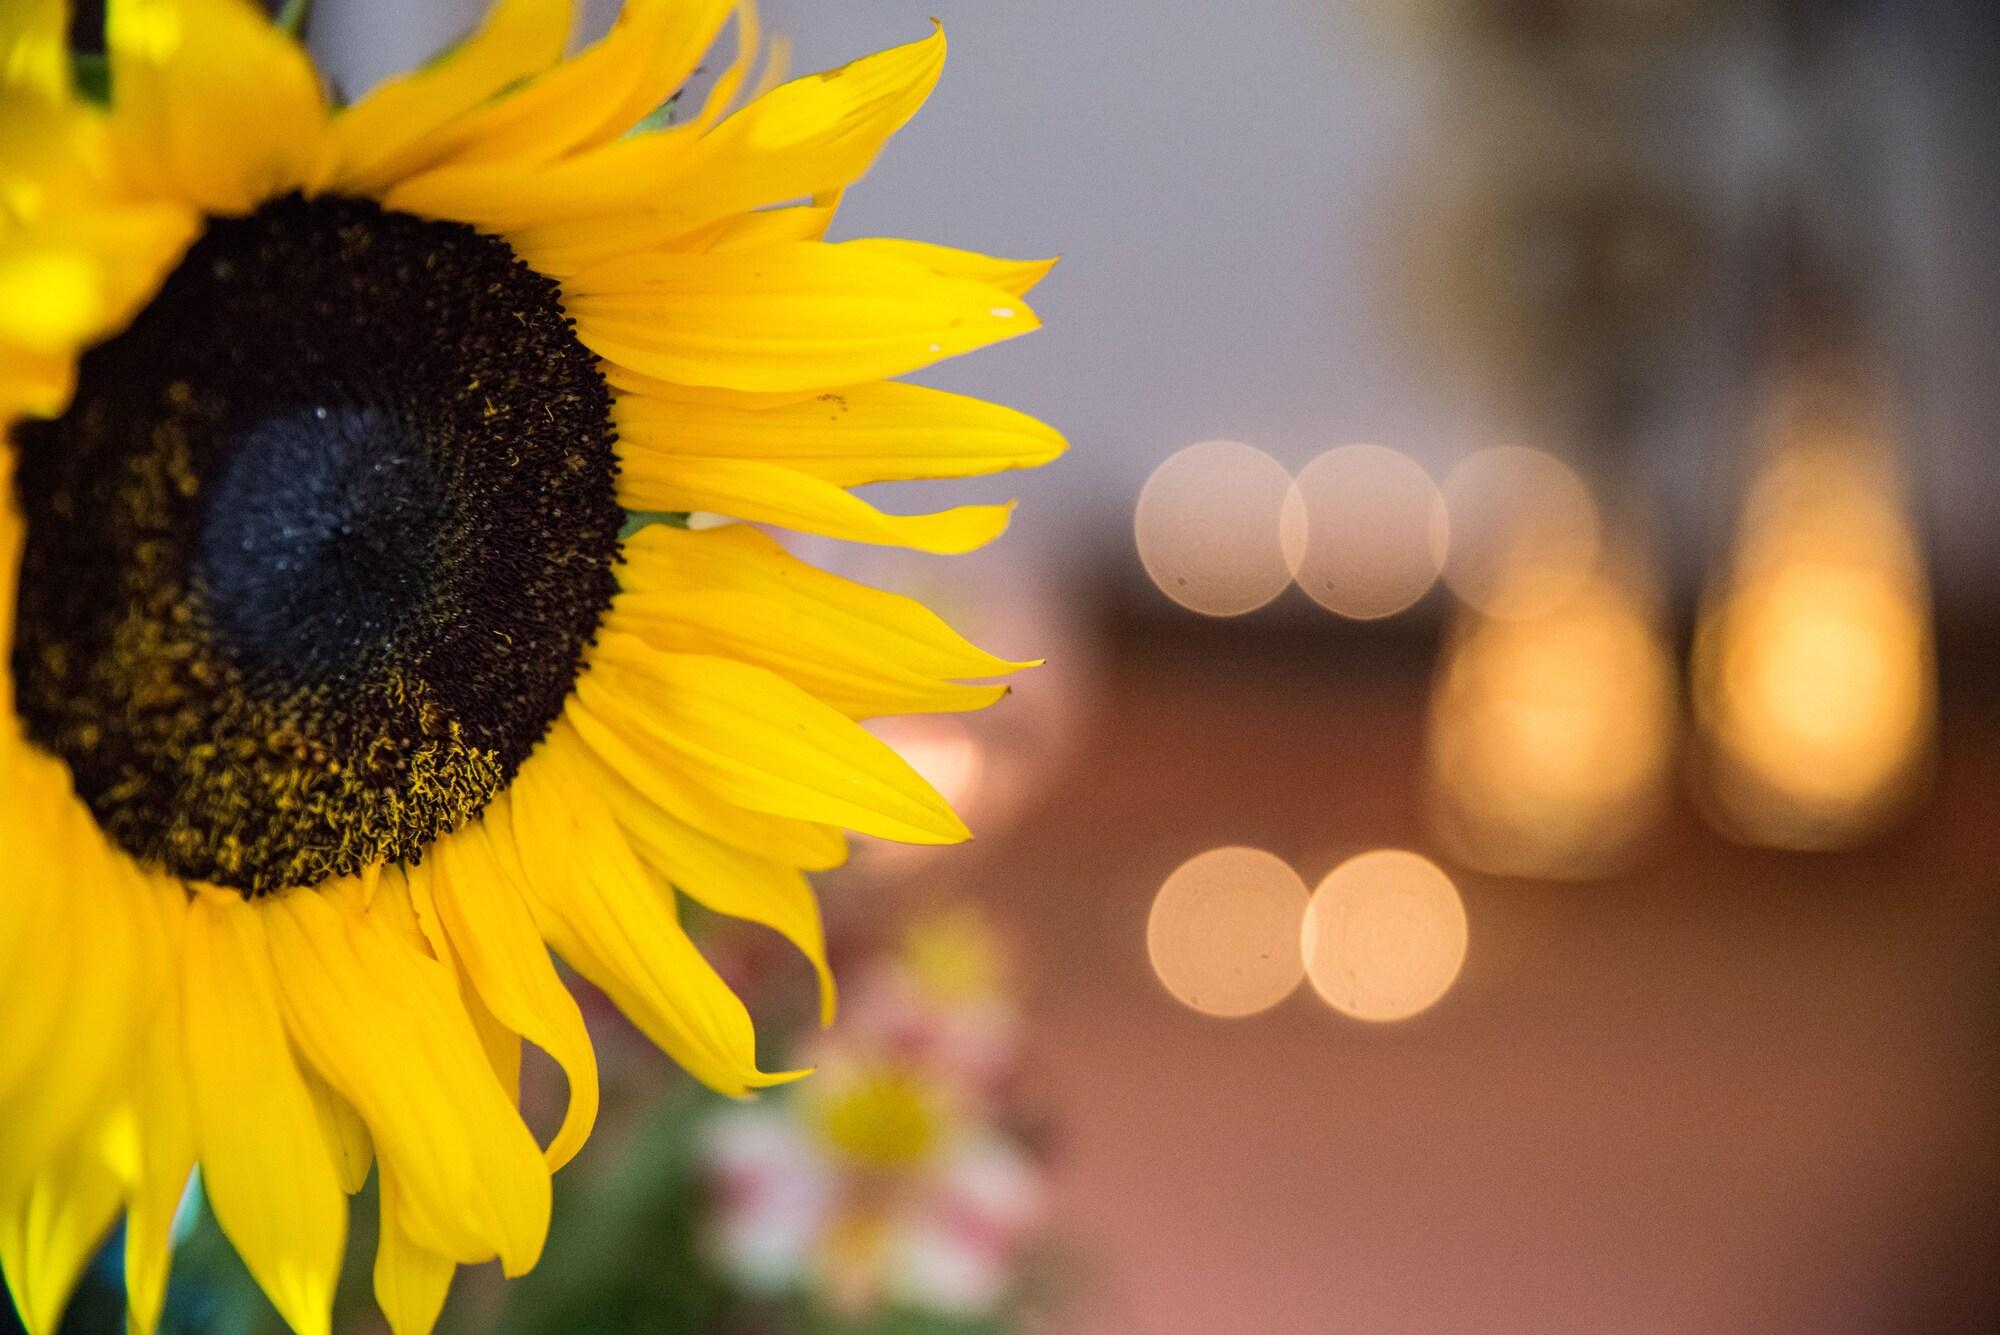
(214, 105)
(809, 136)
(410, 1281)
(68, 279)
(735, 558)
(502, 1045)
(347, 1138)
(624, 378)
(649, 53)
(503, 955)
(783, 317)
(34, 48)
(34, 384)
(673, 787)
(87, 946)
(616, 924)
(49, 297)
(1017, 277)
(880, 432)
(849, 672)
(721, 878)
(394, 129)
(722, 94)
(761, 742)
(804, 222)
(157, 1153)
(50, 1231)
(264, 1160)
(12, 531)
(385, 1025)
(764, 493)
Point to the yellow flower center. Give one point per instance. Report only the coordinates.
(882, 1119)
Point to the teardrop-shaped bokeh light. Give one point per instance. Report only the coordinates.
(1551, 737)
(1814, 664)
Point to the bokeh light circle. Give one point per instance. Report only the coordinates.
(1524, 531)
(1208, 528)
(1375, 531)
(1223, 934)
(1384, 935)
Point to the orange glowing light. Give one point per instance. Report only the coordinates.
(1374, 531)
(1384, 936)
(1223, 934)
(1551, 738)
(1208, 528)
(1524, 531)
(1814, 662)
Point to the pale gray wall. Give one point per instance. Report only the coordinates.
(1227, 184)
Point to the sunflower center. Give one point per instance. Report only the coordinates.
(314, 556)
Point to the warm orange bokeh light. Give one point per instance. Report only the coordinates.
(1524, 531)
(1208, 528)
(1551, 738)
(1374, 531)
(1815, 677)
(1384, 936)
(1223, 934)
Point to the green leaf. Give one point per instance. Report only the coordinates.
(638, 519)
(660, 117)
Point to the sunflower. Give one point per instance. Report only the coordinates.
(357, 651)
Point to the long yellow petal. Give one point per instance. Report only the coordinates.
(384, 1023)
(736, 558)
(12, 532)
(86, 949)
(802, 222)
(347, 1136)
(807, 137)
(880, 432)
(49, 1232)
(847, 671)
(214, 105)
(34, 384)
(652, 48)
(783, 317)
(412, 887)
(503, 955)
(673, 787)
(155, 1150)
(411, 1281)
(761, 742)
(1017, 277)
(394, 129)
(616, 924)
(34, 48)
(765, 493)
(264, 1161)
(727, 880)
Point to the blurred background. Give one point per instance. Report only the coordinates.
(1507, 838)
